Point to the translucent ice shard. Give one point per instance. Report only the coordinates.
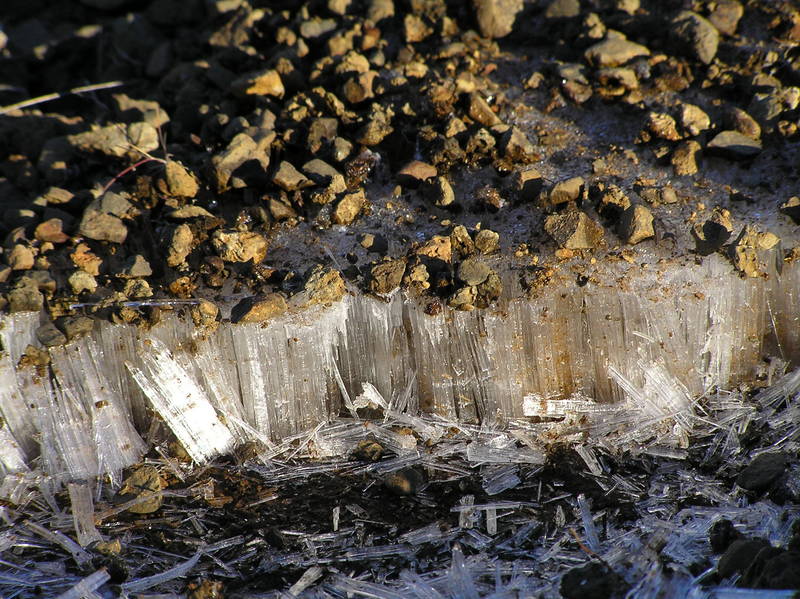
(80, 556)
(461, 579)
(19, 421)
(592, 538)
(12, 458)
(427, 534)
(499, 479)
(87, 586)
(535, 405)
(182, 403)
(307, 579)
(80, 495)
(785, 388)
(661, 407)
(66, 450)
(179, 571)
(347, 586)
(481, 453)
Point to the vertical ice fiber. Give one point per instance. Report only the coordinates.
(645, 345)
(12, 457)
(285, 370)
(77, 367)
(80, 496)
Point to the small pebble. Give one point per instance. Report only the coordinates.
(405, 482)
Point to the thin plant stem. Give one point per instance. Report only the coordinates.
(132, 167)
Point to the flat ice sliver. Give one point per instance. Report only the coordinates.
(182, 404)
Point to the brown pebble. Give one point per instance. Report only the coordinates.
(438, 247)
(386, 276)
(359, 87)
(636, 224)
(487, 241)
(51, 230)
(259, 310)
(480, 111)
(144, 482)
(259, 83)
(663, 126)
(461, 242)
(239, 246)
(574, 230)
(288, 178)
(569, 190)
(405, 482)
(349, 207)
(180, 182)
(322, 286)
(83, 258)
(743, 252)
(713, 233)
(684, 158)
(368, 451)
(415, 172)
(180, 245)
(21, 257)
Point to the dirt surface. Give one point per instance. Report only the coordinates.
(246, 143)
(296, 152)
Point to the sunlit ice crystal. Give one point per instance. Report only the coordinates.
(629, 359)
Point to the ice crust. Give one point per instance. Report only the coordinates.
(631, 356)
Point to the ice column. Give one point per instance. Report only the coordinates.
(285, 369)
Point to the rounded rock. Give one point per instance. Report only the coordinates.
(473, 271)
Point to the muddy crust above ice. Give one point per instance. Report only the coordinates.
(460, 154)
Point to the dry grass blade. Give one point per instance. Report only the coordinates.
(57, 95)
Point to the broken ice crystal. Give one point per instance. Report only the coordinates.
(182, 403)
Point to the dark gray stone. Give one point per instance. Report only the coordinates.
(739, 555)
(75, 327)
(762, 472)
(695, 36)
(49, 336)
(593, 580)
(722, 534)
(102, 226)
(734, 145)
